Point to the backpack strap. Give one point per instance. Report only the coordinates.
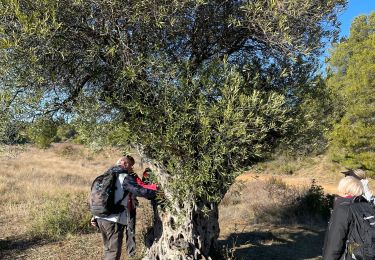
(125, 191)
(359, 199)
(350, 241)
(117, 170)
(123, 197)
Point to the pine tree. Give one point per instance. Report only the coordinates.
(352, 79)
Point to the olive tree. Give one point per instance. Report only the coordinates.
(202, 88)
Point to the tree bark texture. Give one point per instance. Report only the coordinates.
(185, 232)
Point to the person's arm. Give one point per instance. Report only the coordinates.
(146, 186)
(130, 184)
(337, 232)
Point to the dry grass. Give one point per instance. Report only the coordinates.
(30, 178)
(325, 172)
(253, 219)
(257, 220)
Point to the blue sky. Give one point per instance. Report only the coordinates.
(354, 8)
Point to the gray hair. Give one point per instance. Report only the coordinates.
(350, 186)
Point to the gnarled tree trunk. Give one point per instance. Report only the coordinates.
(188, 231)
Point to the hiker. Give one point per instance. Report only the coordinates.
(112, 227)
(145, 182)
(350, 190)
(146, 175)
(361, 175)
(130, 236)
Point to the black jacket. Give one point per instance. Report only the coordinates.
(130, 184)
(338, 229)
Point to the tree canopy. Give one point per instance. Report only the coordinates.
(145, 64)
(352, 78)
(204, 88)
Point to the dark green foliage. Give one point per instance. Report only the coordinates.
(98, 135)
(313, 120)
(42, 132)
(310, 206)
(315, 203)
(12, 126)
(351, 78)
(205, 88)
(13, 132)
(205, 141)
(65, 132)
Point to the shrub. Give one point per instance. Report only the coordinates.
(288, 168)
(65, 132)
(289, 205)
(67, 214)
(42, 132)
(275, 206)
(13, 132)
(70, 151)
(284, 164)
(233, 196)
(314, 202)
(275, 183)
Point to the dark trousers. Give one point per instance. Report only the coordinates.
(130, 234)
(113, 234)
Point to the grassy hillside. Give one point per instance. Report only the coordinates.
(260, 217)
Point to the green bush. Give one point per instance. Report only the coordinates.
(314, 203)
(12, 132)
(65, 132)
(290, 205)
(42, 132)
(64, 215)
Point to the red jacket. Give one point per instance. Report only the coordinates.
(144, 185)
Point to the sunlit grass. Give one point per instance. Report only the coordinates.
(35, 187)
(34, 180)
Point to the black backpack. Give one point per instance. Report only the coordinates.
(102, 196)
(361, 238)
